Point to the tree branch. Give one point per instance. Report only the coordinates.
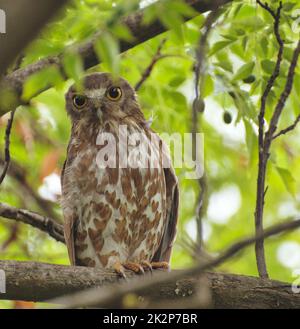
(35, 281)
(39, 282)
(289, 128)
(109, 296)
(263, 152)
(44, 224)
(197, 108)
(35, 13)
(134, 22)
(150, 67)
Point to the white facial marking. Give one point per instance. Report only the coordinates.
(95, 93)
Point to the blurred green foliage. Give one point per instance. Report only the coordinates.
(241, 55)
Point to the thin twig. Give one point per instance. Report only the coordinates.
(263, 153)
(267, 8)
(7, 143)
(284, 95)
(289, 128)
(199, 74)
(13, 236)
(150, 67)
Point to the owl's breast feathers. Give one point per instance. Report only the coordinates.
(116, 213)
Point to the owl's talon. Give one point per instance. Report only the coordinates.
(119, 269)
(134, 267)
(161, 265)
(146, 266)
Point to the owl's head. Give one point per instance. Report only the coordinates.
(102, 98)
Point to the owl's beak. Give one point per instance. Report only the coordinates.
(96, 96)
(97, 101)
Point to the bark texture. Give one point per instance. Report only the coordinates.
(24, 19)
(40, 281)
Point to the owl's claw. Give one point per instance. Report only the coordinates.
(147, 266)
(134, 267)
(119, 269)
(139, 268)
(161, 265)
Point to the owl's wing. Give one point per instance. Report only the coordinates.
(69, 227)
(69, 237)
(163, 253)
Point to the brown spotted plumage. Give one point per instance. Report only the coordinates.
(119, 217)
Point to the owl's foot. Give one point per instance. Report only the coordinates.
(160, 265)
(120, 270)
(134, 267)
(138, 268)
(146, 265)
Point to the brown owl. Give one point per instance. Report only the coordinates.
(115, 216)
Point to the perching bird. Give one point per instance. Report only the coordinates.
(115, 217)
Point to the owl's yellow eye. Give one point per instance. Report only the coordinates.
(79, 101)
(114, 93)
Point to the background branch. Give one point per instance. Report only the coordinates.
(198, 108)
(44, 224)
(35, 13)
(7, 144)
(148, 70)
(265, 139)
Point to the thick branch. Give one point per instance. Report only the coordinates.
(105, 296)
(33, 281)
(134, 22)
(45, 224)
(39, 281)
(24, 19)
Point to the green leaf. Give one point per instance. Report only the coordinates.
(172, 21)
(268, 66)
(177, 81)
(244, 71)
(182, 8)
(264, 45)
(107, 49)
(225, 65)
(219, 46)
(251, 140)
(122, 32)
(40, 81)
(73, 65)
(288, 180)
(288, 6)
(207, 86)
